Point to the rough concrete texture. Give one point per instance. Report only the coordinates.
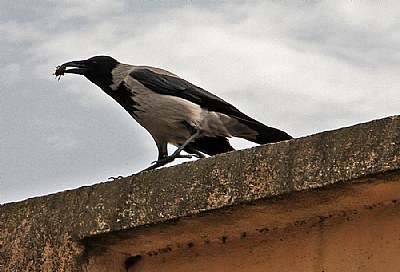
(347, 226)
(49, 233)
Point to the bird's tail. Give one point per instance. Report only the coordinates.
(265, 134)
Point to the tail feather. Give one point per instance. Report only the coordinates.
(219, 144)
(265, 134)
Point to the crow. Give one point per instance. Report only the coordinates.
(172, 109)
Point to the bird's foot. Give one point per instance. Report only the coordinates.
(115, 178)
(177, 157)
(183, 156)
(167, 159)
(199, 156)
(177, 153)
(160, 162)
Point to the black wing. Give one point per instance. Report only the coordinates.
(170, 85)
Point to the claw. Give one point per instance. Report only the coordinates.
(184, 156)
(197, 156)
(176, 154)
(115, 178)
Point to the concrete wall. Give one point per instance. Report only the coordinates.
(326, 202)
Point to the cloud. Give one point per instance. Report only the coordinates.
(303, 67)
(62, 142)
(13, 72)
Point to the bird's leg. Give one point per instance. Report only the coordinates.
(179, 156)
(193, 152)
(177, 152)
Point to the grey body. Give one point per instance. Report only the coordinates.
(165, 116)
(173, 110)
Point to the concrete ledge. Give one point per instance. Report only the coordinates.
(72, 230)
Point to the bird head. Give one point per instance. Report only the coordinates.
(97, 69)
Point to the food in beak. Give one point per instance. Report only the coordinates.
(60, 70)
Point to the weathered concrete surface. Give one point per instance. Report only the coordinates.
(56, 232)
(347, 226)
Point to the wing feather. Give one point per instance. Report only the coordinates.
(170, 85)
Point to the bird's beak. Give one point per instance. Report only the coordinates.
(78, 67)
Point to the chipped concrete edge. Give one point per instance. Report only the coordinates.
(38, 229)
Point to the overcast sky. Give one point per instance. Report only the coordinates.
(303, 67)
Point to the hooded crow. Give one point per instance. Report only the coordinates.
(172, 109)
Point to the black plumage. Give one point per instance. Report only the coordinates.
(172, 109)
(169, 85)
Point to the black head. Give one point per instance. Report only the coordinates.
(97, 69)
